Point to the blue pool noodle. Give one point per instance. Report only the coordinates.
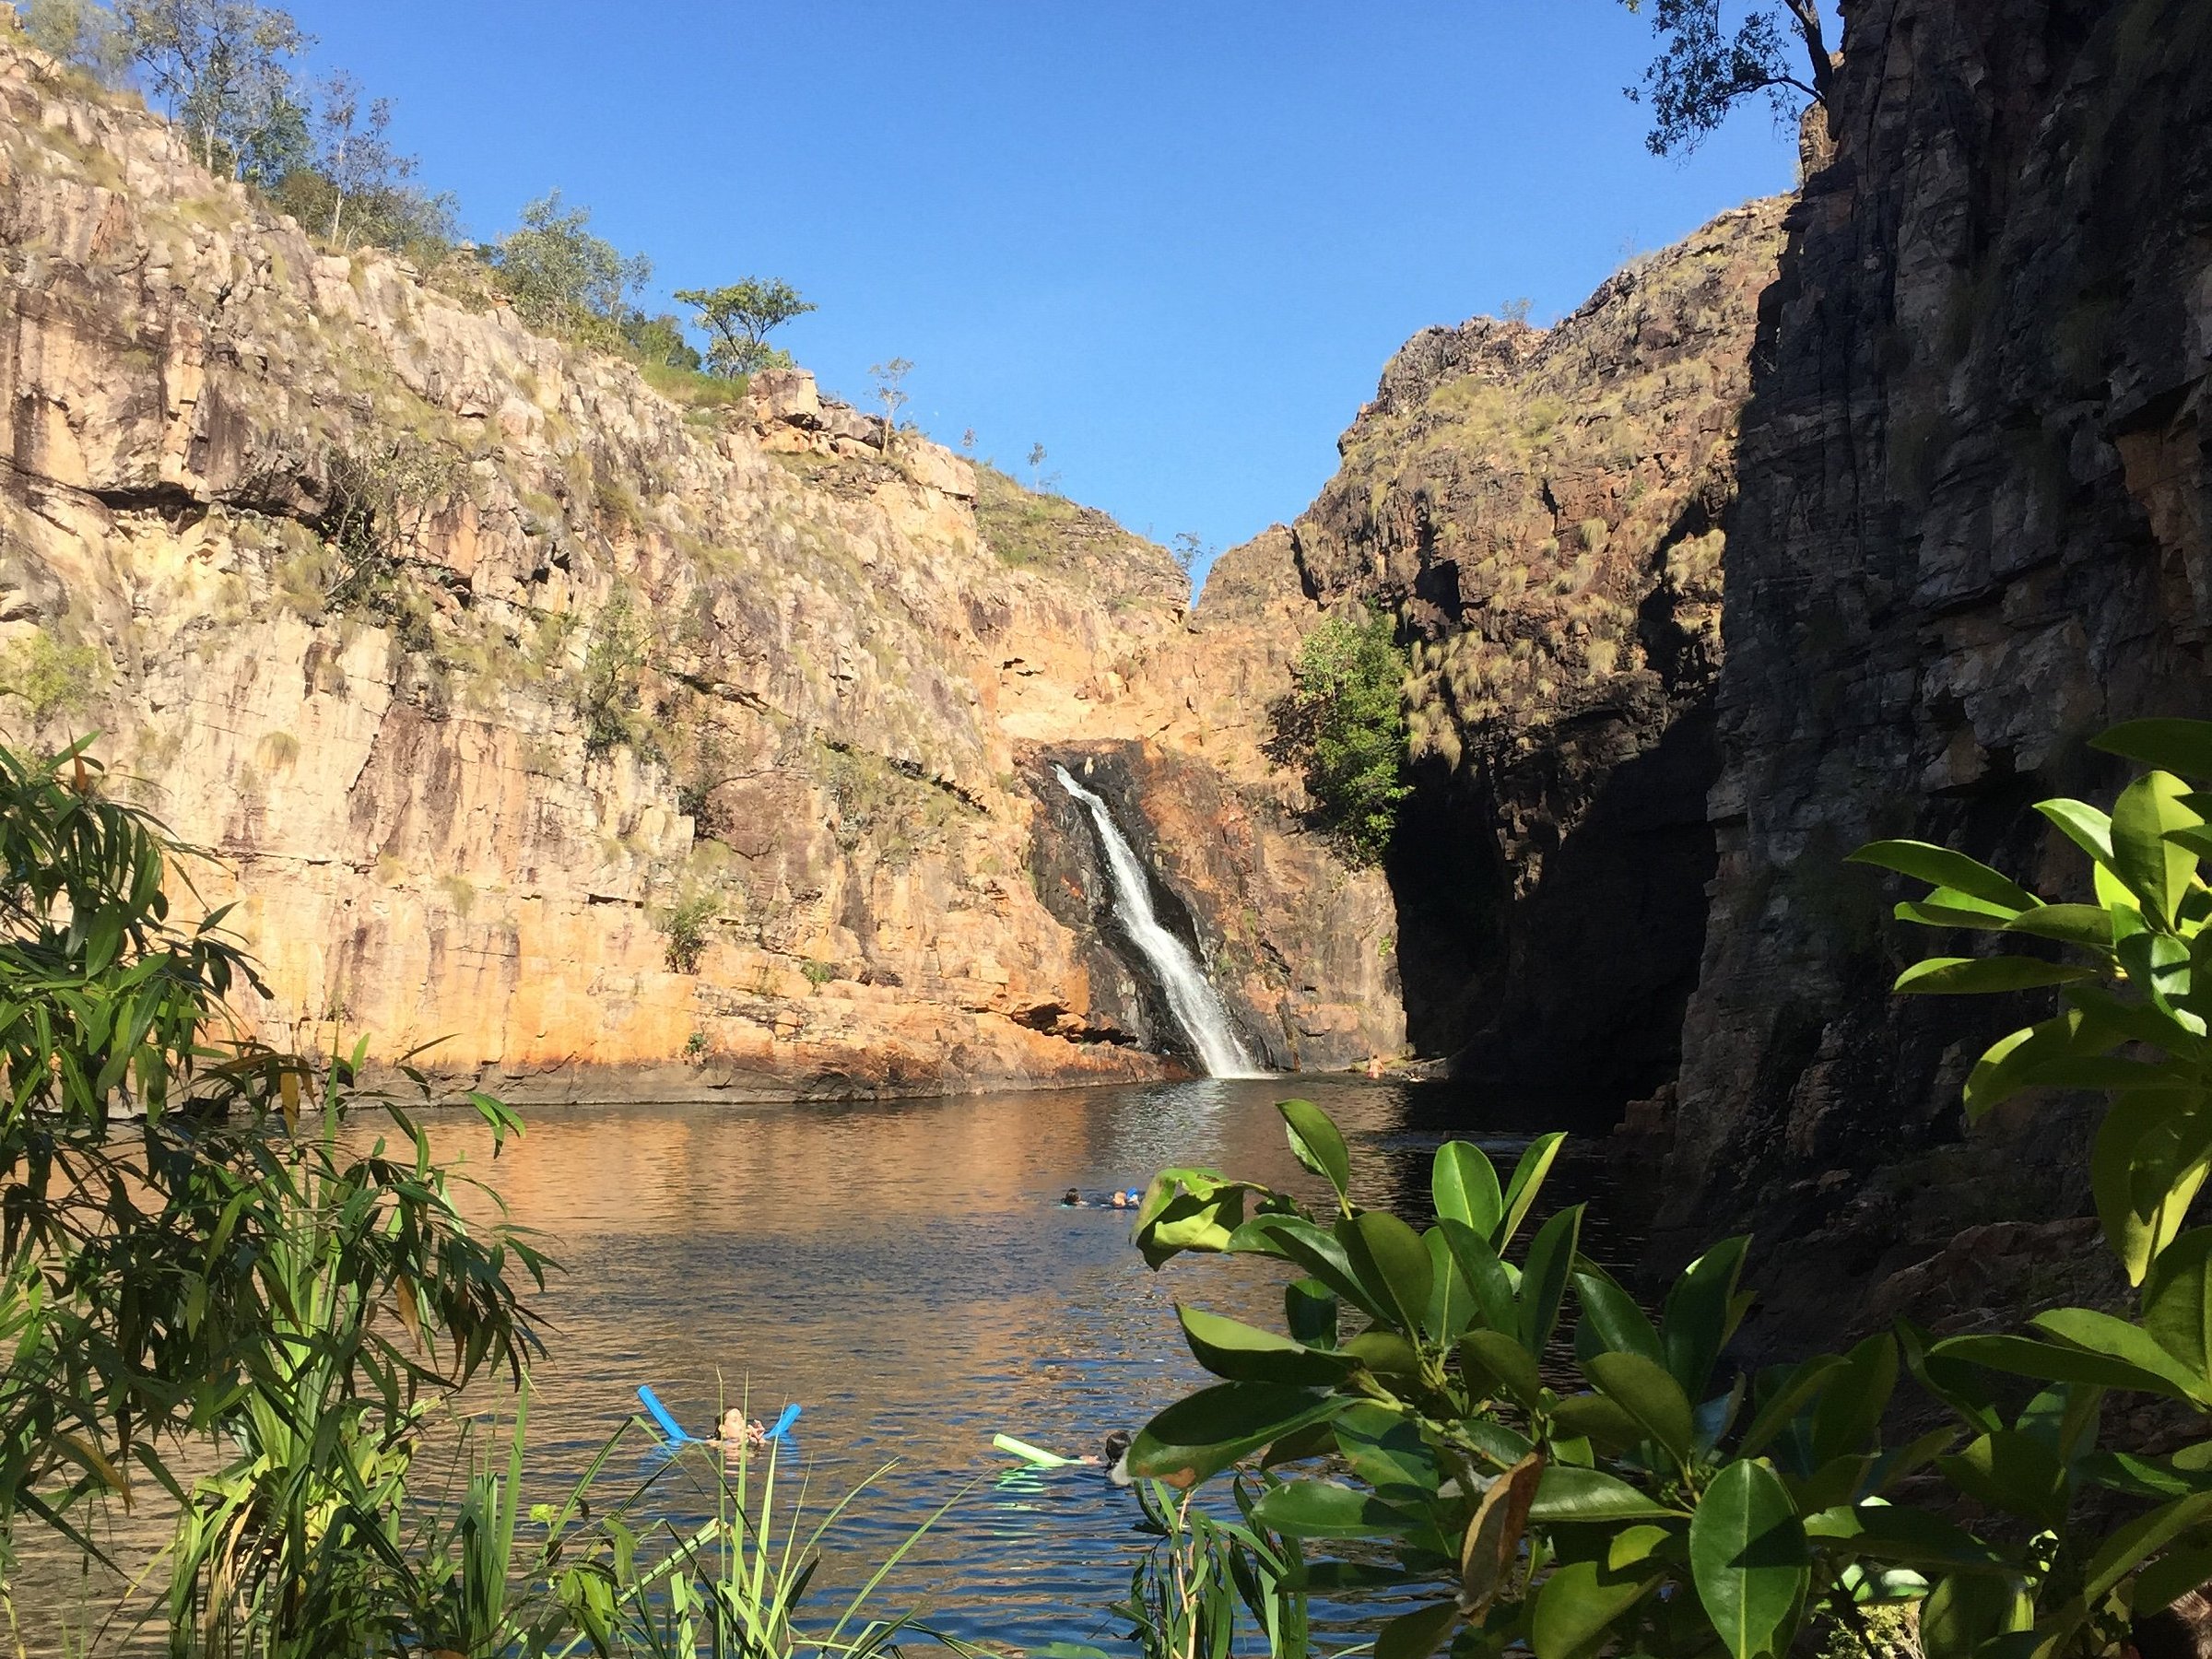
(784, 1423)
(669, 1426)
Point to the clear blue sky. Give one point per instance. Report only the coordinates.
(1172, 240)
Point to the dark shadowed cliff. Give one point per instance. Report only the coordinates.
(1971, 531)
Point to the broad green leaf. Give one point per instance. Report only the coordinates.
(1978, 976)
(1204, 1434)
(1190, 1209)
(2121, 1339)
(2145, 1164)
(1987, 919)
(1317, 1144)
(1528, 1182)
(1544, 1277)
(1418, 1634)
(1385, 1448)
(2012, 1472)
(1465, 1184)
(2128, 1547)
(1385, 1353)
(2089, 925)
(1599, 1420)
(1967, 1610)
(1906, 1538)
(1244, 1353)
(1296, 1239)
(1848, 1418)
(1389, 1259)
(2171, 1576)
(1570, 1494)
(1941, 867)
(1800, 1388)
(1451, 1303)
(2052, 1362)
(1643, 1389)
(1578, 1604)
(2087, 827)
(1749, 1558)
(2177, 745)
(1613, 1321)
(1702, 1314)
(1838, 1480)
(1323, 1508)
(1500, 1365)
(1310, 1312)
(1484, 1274)
(2150, 865)
(2177, 1301)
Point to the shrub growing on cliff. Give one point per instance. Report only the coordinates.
(564, 278)
(1343, 724)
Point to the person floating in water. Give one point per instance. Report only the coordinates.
(739, 1433)
(1073, 1200)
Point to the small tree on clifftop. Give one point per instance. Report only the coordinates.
(1703, 71)
(223, 68)
(738, 319)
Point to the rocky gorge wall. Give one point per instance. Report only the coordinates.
(1971, 532)
(618, 739)
(1542, 511)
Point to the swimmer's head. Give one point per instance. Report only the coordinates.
(1072, 1196)
(1121, 1199)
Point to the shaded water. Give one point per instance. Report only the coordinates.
(907, 1273)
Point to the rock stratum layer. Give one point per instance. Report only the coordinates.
(1976, 492)
(1541, 509)
(623, 742)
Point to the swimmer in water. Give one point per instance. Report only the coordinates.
(1113, 1457)
(1120, 1199)
(1072, 1200)
(739, 1433)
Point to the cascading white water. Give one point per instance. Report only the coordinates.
(1197, 1007)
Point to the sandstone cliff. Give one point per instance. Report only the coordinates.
(1541, 509)
(1973, 530)
(623, 741)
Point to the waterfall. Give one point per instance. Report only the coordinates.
(1197, 1007)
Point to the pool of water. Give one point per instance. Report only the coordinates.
(907, 1273)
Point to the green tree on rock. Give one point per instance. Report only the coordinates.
(565, 278)
(223, 69)
(1343, 722)
(739, 317)
(1704, 69)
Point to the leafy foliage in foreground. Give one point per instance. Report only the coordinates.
(1343, 724)
(177, 1260)
(1651, 1494)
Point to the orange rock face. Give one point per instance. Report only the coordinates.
(614, 740)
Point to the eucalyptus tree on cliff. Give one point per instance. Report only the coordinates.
(1704, 69)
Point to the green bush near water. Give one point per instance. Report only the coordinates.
(1664, 1504)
